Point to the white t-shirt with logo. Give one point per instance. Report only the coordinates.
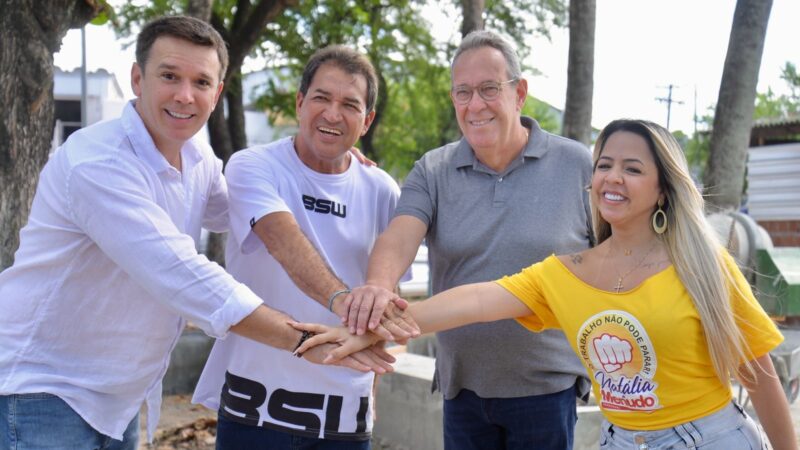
(342, 215)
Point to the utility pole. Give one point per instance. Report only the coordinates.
(669, 101)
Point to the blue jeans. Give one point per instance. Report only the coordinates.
(541, 422)
(727, 428)
(236, 436)
(43, 421)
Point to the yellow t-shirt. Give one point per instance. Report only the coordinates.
(644, 349)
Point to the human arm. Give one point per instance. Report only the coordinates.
(462, 305)
(393, 253)
(361, 158)
(287, 243)
(274, 328)
(770, 403)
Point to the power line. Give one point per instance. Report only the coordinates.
(669, 101)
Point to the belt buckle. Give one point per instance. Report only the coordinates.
(641, 443)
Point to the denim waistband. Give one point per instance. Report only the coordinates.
(726, 419)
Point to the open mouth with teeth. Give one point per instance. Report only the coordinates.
(178, 115)
(479, 123)
(329, 131)
(613, 197)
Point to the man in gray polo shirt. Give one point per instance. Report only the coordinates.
(505, 196)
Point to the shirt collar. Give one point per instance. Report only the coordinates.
(145, 149)
(536, 146)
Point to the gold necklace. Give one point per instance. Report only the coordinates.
(621, 277)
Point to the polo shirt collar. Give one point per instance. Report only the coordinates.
(536, 146)
(145, 149)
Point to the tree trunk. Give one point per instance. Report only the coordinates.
(472, 12)
(30, 32)
(227, 135)
(235, 99)
(200, 9)
(580, 83)
(367, 141)
(733, 117)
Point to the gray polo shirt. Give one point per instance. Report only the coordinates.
(483, 225)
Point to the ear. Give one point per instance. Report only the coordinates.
(136, 79)
(219, 92)
(298, 103)
(368, 121)
(522, 93)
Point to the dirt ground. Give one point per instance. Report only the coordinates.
(184, 426)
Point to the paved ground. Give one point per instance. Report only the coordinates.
(190, 427)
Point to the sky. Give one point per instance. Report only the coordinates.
(641, 47)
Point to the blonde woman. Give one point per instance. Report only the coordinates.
(658, 312)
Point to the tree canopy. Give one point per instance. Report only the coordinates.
(413, 112)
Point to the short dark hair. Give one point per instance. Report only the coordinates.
(182, 27)
(347, 59)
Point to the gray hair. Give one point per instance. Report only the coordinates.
(482, 38)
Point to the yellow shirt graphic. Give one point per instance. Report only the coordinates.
(644, 350)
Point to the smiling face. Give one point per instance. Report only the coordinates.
(625, 182)
(332, 116)
(487, 125)
(177, 91)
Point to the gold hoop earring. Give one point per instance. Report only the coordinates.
(660, 216)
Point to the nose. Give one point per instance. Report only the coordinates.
(475, 102)
(184, 93)
(615, 175)
(332, 112)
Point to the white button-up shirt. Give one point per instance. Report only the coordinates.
(107, 272)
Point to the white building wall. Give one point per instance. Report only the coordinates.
(773, 178)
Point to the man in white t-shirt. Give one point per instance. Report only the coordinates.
(107, 272)
(304, 217)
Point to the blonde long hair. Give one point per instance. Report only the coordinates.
(691, 245)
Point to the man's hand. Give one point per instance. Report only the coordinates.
(373, 358)
(361, 158)
(379, 310)
(348, 343)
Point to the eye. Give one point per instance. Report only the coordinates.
(634, 170)
(490, 90)
(169, 76)
(204, 83)
(462, 93)
(603, 166)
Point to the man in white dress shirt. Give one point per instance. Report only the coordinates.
(107, 272)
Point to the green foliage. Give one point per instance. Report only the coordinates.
(105, 14)
(416, 120)
(414, 75)
(131, 16)
(414, 112)
(790, 75)
(514, 19)
(543, 113)
(697, 148)
(771, 106)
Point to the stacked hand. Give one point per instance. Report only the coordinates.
(363, 355)
(379, 310)
(371, 315)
